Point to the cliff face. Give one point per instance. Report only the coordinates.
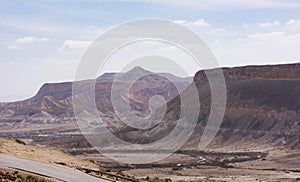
(263, 107)
(263, 104)
(54, 100)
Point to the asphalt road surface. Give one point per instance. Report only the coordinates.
(47, 170)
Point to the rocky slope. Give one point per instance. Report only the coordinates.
(263, 108)
(50, 111)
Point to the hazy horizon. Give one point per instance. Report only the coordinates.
(36, 91)
(42, 42)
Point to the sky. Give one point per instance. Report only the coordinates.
(43, 41)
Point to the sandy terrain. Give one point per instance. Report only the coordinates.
(43, 154)
(271, 164)
(18, 148)
(7, 174)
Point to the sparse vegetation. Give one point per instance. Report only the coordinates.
(20, 141)
(8, 176)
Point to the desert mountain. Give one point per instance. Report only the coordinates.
(263, 108)
(53, 102)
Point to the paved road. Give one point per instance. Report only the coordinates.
(47, 170)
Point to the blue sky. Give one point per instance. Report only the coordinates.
(42, 41)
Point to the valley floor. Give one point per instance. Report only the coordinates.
(274, 164)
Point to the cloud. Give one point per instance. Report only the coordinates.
(293, 22)
(261, 36)
(54, 29)
(12, 46)
(26, 40)
(199, 22)
(74, 45)
(208, 4)
(219, 30)
(269, 24)
(182, 22)
(31, 26)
